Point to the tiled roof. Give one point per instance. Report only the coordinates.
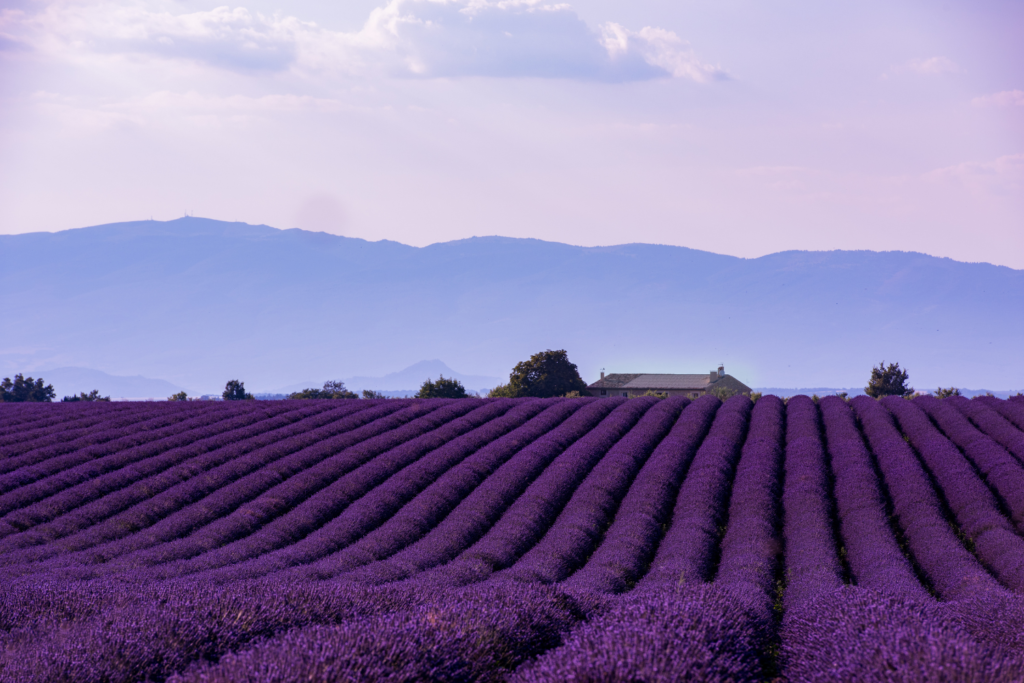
(613, 381)
(644, 382)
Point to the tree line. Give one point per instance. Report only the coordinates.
(544, 375)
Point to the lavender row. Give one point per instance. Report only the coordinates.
(480, 634)
(633, 537)
(951, 569)
(872, 551)
(347, 541)
(504, 517)
(106, 439)
(702, 632)
(28, 484)
(981, 608)
(238, 509)
(63, 439)
(104, 519)
(751, 545)
(55, 420)
(580, 526)
(184, 505)
(15, 420)
(42, 449)
(129, 632)
(856, 634)
(716, 631)
(686, 555)
(472, 517)
(812, 559)
(1012, 410)
(364, 497)
(1002, 472)
(48, 432)
(147, 632)
(970, 501)
(47, 499)
(993, 424)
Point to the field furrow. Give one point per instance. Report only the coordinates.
(524, 540)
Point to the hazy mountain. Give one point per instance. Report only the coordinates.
(68, 381)
(407, 380)
(199, 302)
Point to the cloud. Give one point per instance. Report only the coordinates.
(929, 66)
(407, 38)
(1006, 98)
(223, 37)
(193, 108)
(1004, 175)
(658, 48)
(933, 65)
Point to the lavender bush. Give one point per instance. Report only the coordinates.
(512, 539)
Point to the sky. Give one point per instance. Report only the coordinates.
(742, 127)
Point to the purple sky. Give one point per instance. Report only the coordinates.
(742, 127)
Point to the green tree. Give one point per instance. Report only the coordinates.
(371, 394)
(93, 395)
(442, 388)
(332, 389)
(502, 391)
(180, 396)
(548, 373)
(26, 390)
(235, 391)
(888, 381)
(723, 393)
(946, 393)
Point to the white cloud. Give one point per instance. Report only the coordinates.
(1004, 175)
(659, 48)
(192, 108)
(1006, 98)
(412, 38)
(930, 66)
(933, 65)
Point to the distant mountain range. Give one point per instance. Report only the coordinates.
(73, 381)
(405, 381)
(198, 302)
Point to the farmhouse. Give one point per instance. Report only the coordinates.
(693, 386)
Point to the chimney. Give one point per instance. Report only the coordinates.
(721, 371)
(714, 377)
(602, 374)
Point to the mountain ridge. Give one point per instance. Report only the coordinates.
(198, 302)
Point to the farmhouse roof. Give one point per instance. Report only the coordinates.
(669, 382)
(643, 382)
(614, 381)
(664, 382)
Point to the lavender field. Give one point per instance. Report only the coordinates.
(522, 540)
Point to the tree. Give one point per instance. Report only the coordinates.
(502, 391)
(888, 381)
(93, 395)
(370, 393)
(723, 393)
(442, 388)
(180, 396)
(946, 393)
(235, 391)
(26, 390)
(332, 389)
(548, 373)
